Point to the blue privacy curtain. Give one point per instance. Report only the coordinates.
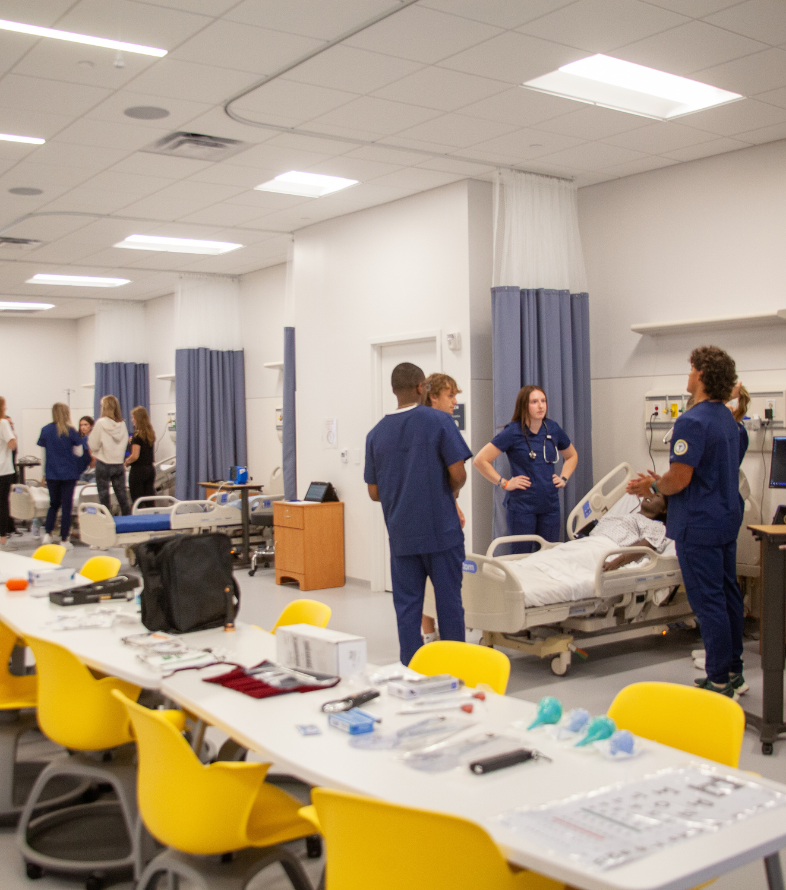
(290, 432)
(541, 337)
(129, 382)
(210, 403)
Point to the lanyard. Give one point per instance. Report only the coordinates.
(549, 438)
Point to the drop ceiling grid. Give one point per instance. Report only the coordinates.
(441, 76)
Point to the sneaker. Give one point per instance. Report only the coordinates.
(9, 546)
(705, 683)
(698, 653)
(67, 544)
(739, 684)
(17, 532)
(700, 664)
(430, 638)
(47, 539)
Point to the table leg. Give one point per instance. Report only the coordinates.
(772, 865)
(246, 556)
(773, 628)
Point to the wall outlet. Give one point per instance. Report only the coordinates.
(344, 455)
(356, 455)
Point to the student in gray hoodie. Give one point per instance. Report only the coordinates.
(108, 442)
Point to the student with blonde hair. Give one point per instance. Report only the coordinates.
(108, 441)
(63, 450)
(7, 475)
(142, 477)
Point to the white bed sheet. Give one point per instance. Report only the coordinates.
(565, 573)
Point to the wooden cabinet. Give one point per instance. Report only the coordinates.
(309, 544)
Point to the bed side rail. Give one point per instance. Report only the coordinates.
(599, 498)
(513, 539)
(161, 503)
(97, 526)
(658, 571)
(202, 514)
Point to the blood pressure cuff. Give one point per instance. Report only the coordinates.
(239, 680)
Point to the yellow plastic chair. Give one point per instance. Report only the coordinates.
(100, 568)
(50, 553)
(304, 612)
(77, 711)
(203, 811)
(470, 663)
(390, 847)
(694, 720)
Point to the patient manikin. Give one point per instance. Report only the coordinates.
(567, 571)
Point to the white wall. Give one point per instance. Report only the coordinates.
(701, 239)
(262, 297)
(393, 270)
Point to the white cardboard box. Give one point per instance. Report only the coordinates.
(319, 649)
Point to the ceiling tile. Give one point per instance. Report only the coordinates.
(706, 149)
(601, 25)
(386, 154)
(749, 75)
(312, 18)
(218, 123)
(520, 106)
(42, 12)
(354, 168)
(276, 157)
(155, 207)
(689, 48)
(135, 187)
(13, 48)
(642, 165)
(97, 134)
(143, 163)
(457, 131)
(440, 88)
(448, 165)
(593, 156)
(738, 117)
(375, 116)
(352, 69)
(245, 48)
(513, 58)
(44, 176)
(179, 79)
(268, 202)
(527, 143)
(203, 7)
(765, 134)
(69, 99)
(592, 122)
(296, 101)
(87, 200)
(29, 122)
(223, 214)
(695, 8)
(135, 22)
(773, 97)
(320, 145)
(112, 110)
(502, 13)
(423, 35)
(76, 63)
(660, 138)
(763, 20)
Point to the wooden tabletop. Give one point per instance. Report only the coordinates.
(775, 530)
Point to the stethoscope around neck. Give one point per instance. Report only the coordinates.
(549, 438)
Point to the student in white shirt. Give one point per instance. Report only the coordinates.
(7, 475)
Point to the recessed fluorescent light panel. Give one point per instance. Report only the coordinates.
(7, 306)
(624, 86)
(30, 140)
(177, 245)
(307, 185)
(77, 280)
(36, 31)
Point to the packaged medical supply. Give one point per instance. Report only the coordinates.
(573, 725)
(417, 735)
(443, 755)
(351, 701)
(502, 761)
(319, 649)
(354, 721)
(599, 728)
(308, 729)
(51, 575)
(415, 687)
(549, 711)
(621, 742)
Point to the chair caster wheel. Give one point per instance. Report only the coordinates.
(314, 846)
(91, 795)
(94, 882)
(766, 747)
(34, 872)
(251, 572)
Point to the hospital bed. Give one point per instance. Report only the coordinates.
(529, 611)
(31, 501)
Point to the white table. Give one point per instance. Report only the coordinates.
(101, 648)
(268, 727)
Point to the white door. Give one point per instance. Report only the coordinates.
(422, 353)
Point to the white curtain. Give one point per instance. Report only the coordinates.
(536, 233)
(120, 333)
(207, 312)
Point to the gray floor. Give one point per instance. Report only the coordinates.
(591, 684)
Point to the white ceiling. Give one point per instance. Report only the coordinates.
(425, 97)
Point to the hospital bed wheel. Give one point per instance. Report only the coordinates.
(560, 664)
(252, 571)
(34, 871)
(766, 747)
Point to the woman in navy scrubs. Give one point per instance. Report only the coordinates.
(533, 445)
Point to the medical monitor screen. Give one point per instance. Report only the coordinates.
(316, 491)
(778, 465)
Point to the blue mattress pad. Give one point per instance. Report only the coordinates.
(143, 522)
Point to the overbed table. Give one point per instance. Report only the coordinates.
(245, 513)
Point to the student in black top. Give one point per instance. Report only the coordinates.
(142, 477)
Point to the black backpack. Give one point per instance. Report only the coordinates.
(188, 583)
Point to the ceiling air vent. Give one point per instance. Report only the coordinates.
(17, 245)
(196, 146)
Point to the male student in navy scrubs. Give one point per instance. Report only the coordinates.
(705, 514)
(415, 468)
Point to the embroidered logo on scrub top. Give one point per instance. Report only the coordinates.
(680, 447)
